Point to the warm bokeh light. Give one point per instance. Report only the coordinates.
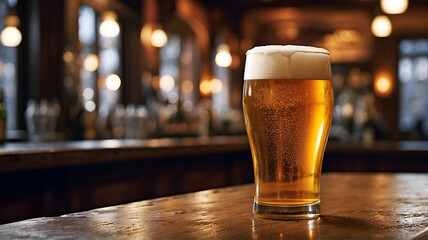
(113, 82)
(216, 85)
(158, 38)
(68, 56)
(381, 26)
(394, 6)
(155, 82)
(11, 36)
(109, 26)
(90, 106)
(91, 62)
(153, 34)
(383, 85)
(205, 87)
(223, 58)
(187, 86)
(166, 83)
(146, 33)
(346, 35)
(347, 110)
(88, 93)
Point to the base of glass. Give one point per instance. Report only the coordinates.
(287, 212)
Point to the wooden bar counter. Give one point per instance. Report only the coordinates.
(354, 206)
(55, 178)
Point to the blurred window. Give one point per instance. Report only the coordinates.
(88, 53)
(413, 84)
(8, 71)
(169, 68)
(101, 61)
(222, 73)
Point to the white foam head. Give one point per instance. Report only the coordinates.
(287, 62)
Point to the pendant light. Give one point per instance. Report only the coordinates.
(11, 36)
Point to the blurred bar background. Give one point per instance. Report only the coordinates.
(142, 69)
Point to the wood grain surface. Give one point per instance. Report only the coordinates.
(354, 206)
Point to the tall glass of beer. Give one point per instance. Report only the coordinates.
(288, 108)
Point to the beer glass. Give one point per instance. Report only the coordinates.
(288, 108)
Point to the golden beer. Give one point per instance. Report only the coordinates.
(288, 110)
